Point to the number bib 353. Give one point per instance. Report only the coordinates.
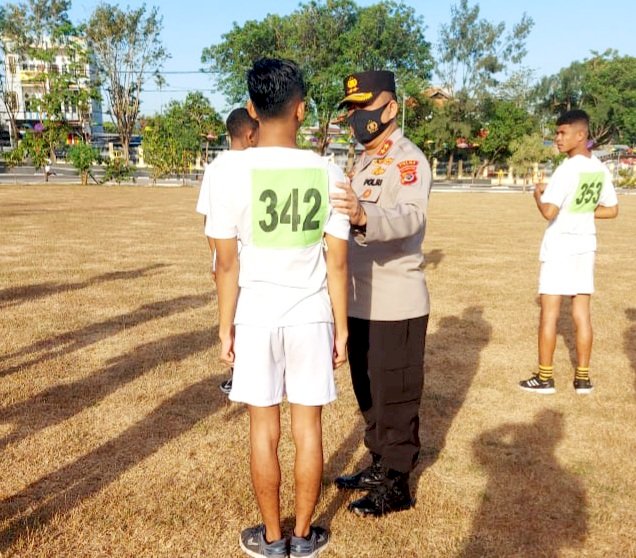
(289, 207)
(588, 192)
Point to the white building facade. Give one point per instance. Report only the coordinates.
(27, 80)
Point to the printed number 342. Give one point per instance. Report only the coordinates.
(289, 214)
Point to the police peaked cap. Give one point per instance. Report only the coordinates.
(362, 88)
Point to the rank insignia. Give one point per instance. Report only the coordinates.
(385, 148)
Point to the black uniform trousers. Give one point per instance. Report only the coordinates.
(387, 371)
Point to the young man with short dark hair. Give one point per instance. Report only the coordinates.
(283, 311)
(579, 191)
(242, 130)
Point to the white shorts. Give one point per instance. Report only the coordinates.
(569, 275)
(296, 360)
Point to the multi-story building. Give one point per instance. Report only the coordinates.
(26, 80)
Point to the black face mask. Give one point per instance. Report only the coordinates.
(366, 124)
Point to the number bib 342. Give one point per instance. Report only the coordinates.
(289, 207)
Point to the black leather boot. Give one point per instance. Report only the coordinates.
(390, 496)
(365, 479)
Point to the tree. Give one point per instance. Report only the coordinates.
(36, 147)
(73, 89)
(604, 86)
(527, 151)
(506, 123)
(201, 116)
(8, 77)
(39, 31)
(172, 140)
(473, 52)
(328, 39)
(82, 156)
(126, 46)
(473, 56)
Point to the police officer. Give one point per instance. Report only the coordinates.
(388, 299)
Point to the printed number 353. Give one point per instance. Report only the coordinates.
(589, 193)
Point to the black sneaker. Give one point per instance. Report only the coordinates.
(537, 385)
(300, 547)
(365, 479)
(226, 386)
(391, 496)
(583, 386)
(253, 543)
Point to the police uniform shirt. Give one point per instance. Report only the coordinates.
(386, 261)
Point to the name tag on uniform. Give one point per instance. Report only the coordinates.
(370, 194)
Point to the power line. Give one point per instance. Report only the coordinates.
(169, 72)
(184, 90)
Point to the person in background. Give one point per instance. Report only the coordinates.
(242, 130)
(579, 191)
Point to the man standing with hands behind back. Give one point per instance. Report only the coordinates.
(388, 299)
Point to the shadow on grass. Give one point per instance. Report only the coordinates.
(565, 328)
(334, 467)
(78, 339)
(15, 295)
(63, 490)
(452, 360)
(531, 506)
(630, 340)
(62, 402)
(433, 258)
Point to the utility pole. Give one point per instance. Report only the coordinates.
(403, 110)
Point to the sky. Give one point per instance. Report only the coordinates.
(564, 31)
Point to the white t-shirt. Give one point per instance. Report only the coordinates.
(203, 201)
(578, 186)
(276, 200)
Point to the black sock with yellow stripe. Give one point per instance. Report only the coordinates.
(545, 372)
(582, 373)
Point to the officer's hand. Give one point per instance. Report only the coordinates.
(347, 202)
(538, 190)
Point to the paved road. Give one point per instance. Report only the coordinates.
(67, 175)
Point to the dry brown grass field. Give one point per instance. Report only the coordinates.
(115, 440)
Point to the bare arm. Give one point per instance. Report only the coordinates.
(210, 240)
(602, 212)
(227, 272)
(547, 210)
(337, 279)
(212, 248)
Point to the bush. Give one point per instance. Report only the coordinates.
(15, 157)
(82, 156)
(626, 178)
(119, 171)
